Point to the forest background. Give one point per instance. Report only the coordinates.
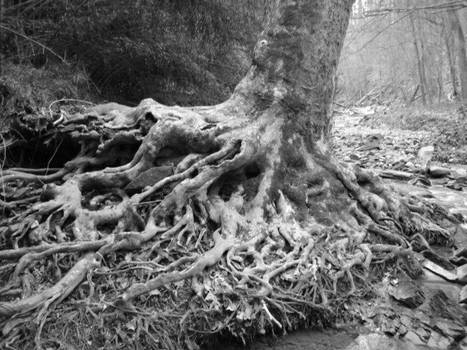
(397, 52)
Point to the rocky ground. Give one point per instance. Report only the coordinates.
(405, 129)
(421, 161)
(377, 146)
(430, 313)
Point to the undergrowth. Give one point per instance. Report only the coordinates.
(24, 88)
(30, 100)
(178, 52)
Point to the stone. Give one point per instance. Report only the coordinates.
(420, 181)
(413, 338)
(459, 173)
(447, 310)
(372, 142)
(408, 294)
(463, 295)
(450, 328)
(439, 260)
(149, 177)
(461, 252)
(410, 166)
(462, 273)
(454, 185)
(424, 155)
(406, 321)
(402, 330)
(458, 260)
(448, 275)
(460, 235)
(423, 333)
(396, 175)
(437, 171)
(435, 282)
(389, 326)
(438, 341)
(462, 344)
(378, 341)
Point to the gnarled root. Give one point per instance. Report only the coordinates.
(246, 231)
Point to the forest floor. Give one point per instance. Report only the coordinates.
(390, 145)
(391, 138)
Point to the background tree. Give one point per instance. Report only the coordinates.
(393, 52)
(458, 33)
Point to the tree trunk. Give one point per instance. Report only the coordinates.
(235, 218)
(420, 61)
(2, 35)
(461, 53)
(448, 41)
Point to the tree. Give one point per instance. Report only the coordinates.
(449, 43)
(419, 52)
(458, 33)
(239, 213)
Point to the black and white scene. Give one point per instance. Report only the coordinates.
(233, 174)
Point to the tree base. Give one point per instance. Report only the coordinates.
(176, 225)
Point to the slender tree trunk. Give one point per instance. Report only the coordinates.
(420, 60)
(423, 52)
(2, 35)
(439, 80)
(461, 53)
(448, 41)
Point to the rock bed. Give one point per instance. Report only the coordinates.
(377, 147)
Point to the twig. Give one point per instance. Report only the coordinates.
(53, 155)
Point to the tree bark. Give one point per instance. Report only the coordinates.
(295, 61)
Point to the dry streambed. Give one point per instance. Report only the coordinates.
(437, 302)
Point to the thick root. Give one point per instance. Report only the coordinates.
(240, 236)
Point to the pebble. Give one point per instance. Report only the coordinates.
(462, 274)
(408, 294)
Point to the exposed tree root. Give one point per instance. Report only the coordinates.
(221, 245)
(168, 226)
